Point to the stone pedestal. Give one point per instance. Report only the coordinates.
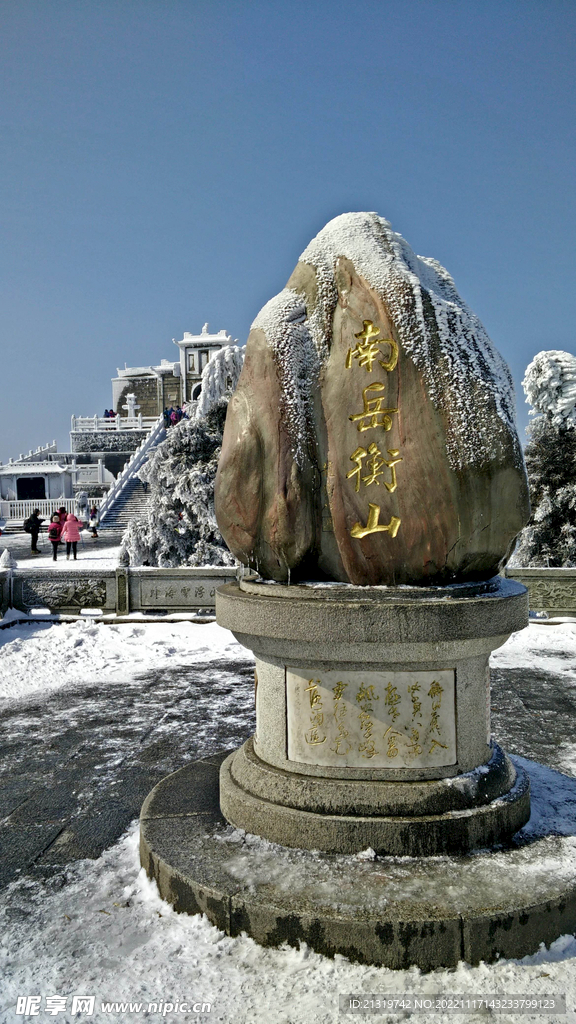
(373, 717)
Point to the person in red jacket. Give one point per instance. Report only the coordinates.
(54, 531)
(71, 534)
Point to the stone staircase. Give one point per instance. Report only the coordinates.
(133, 501)
(13, 526)
(127, 498)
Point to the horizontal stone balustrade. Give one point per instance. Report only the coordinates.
(551, 590)
(179, 590)
(47, 506)
(89, 424)
(120, 590)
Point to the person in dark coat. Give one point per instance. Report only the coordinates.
(35, 524)
(93, 521)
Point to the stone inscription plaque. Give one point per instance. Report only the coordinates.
(176, 593)
(371, 719)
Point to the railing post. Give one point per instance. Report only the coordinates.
(117, 421)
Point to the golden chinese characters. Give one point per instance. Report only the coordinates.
(316, 713)
(386, 719)
(370, 462)
(368, 348)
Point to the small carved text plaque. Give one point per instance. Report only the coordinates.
(371, 719)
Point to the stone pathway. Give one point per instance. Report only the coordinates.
(77, 764)
(19, 546)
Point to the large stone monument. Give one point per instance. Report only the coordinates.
(372, 479)
(371, 446)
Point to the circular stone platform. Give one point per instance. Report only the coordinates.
(479, 809)
(432, 912)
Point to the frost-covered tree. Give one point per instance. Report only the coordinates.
(179, 527)
(550, 537)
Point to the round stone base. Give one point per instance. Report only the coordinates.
(415, 819)
(385, 911)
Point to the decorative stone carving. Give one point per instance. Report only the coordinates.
(371, 438)
(69, 592)
(548, 592)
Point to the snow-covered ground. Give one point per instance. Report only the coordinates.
(100, 929)
(43, 656)
(548, 646)
(100, 553)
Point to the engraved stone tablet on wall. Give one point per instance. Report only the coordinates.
(371, 719)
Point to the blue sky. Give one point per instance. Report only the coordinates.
(164, 162)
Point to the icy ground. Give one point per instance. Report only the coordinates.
(91, 716)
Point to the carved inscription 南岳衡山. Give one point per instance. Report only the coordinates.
(370, 461)
(371, 719)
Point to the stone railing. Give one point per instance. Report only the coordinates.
(89, 424)
(47, 507)
(117, 591)
(550, 590)
(39, 455)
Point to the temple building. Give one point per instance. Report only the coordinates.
(170, 383)
(103, 448)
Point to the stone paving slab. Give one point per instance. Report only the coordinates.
(76, 764)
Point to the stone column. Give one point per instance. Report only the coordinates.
(373, 717)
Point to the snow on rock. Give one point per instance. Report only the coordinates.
(288, 501)
(462, 369)
(7, 561)
(550, 386)
(299, 356)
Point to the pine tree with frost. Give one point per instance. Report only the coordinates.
(550, 387)
(179, 526)
(550, 537)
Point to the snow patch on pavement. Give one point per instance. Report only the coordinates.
(106, 932)
(546, 648)
(44, 656)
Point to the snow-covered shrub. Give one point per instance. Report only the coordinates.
(219, 378)
(550, 537)
(550, 387)
(179, 526)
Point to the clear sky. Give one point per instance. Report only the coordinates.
(164, 162)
